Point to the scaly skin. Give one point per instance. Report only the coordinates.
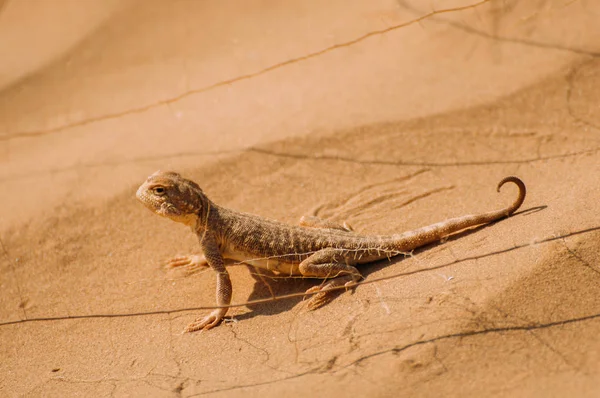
(316, 248)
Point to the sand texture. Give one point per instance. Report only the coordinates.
(389, 115)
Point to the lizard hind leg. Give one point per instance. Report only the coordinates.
(332, 264)
(316, 222)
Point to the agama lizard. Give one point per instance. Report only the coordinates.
(315, 249)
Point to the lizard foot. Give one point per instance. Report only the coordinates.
(208, 322)
(318, 300)
(190, 264)
(323, 297)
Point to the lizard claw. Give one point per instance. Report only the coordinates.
(208, 322)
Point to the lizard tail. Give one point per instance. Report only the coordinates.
(435, 232)
(522, 192)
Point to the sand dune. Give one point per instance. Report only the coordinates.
(384, 114)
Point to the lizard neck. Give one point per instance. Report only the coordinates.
(206, 210)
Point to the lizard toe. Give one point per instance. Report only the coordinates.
(178, 261)
(319, 300)
(314, 289)
(208, 322)
(188, 264)
(201, 324)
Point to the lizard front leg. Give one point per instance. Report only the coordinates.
(224, 290)
(329, 263)
(316, 222)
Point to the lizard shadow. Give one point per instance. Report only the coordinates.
(269, 285)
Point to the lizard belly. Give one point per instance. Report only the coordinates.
(269, 263)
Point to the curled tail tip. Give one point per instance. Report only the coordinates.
(513, 179)
(522, 192)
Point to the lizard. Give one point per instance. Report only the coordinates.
(316, 248)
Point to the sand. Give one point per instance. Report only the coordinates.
(388, 115)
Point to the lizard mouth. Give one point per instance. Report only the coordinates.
(167, 210)
(149, 201)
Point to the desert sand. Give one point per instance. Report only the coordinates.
(389, 115)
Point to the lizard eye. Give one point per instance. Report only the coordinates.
(159, 191)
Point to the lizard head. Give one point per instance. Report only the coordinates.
(170, 195)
